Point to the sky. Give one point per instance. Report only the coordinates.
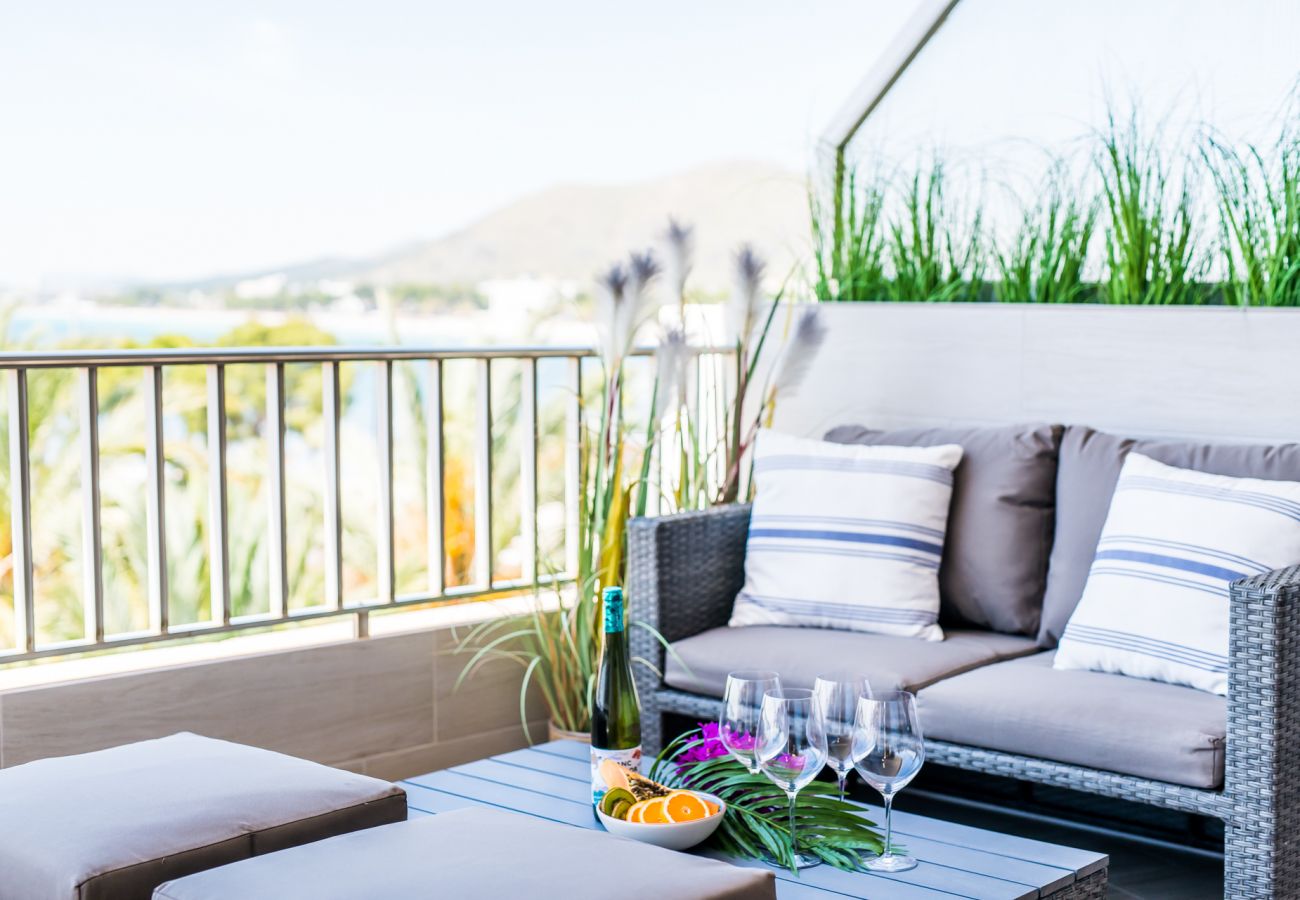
(172, 140)
(163, 140)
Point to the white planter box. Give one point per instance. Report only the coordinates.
(1221, 372)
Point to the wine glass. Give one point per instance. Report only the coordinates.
(888, 751)
(839, 700)
(741, 706)
(792, 749)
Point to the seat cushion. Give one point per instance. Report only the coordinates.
(1112, 722)
(116, 823)
(470, 854)
(1089, 468)
(846, 537)
(700, 664)
(1000, 525)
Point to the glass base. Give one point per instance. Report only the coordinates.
(807, 861)
(893, 863)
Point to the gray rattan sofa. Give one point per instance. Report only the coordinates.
(685, 570)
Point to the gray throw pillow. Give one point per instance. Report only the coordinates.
(1090, 465)
(1000, 523)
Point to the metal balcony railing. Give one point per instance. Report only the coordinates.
(88, 366)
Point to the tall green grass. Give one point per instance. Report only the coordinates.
(848, 241)
(1259, 219)
(1151, 238)
(936, 252)
(1135, 232)
(1045, 259)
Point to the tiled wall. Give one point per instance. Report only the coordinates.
(386, 706)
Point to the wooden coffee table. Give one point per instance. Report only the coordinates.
(553, 781)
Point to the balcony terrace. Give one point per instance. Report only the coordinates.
(954, 458)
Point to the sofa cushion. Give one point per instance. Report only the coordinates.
(1000, 525)
(115, 823)
(1156, 602)
(476, 854)
(1102, 721)
(700, 664)
(846, 537)
(1089, 467)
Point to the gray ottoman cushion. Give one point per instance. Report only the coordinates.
(700, 664)
(470, 854)
(114, 824)
(1000, 524)
(1090, 464)
(1094, 719)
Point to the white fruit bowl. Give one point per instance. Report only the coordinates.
(675, 836)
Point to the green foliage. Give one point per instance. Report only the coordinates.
(756, 824)
(1141, 208)
(937, 254)
(1046, 257)
(849, 241)
(1259, 219)
(1152, 256)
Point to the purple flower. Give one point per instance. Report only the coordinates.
(740, 740)
(788, 761)
(710, 747)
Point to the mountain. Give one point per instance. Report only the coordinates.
(571, 232)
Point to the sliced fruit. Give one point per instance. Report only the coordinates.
(683, 806)
(620, 809)
(713, 808)
(613, 797)
(614, 775)
(643, 787)
(655, 812)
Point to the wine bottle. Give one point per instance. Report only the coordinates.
(615, 710)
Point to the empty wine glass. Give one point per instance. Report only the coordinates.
(741, 707)
(792, 749)
(888, 751)
(839, 700)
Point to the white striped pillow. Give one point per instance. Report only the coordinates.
(1156, 602)
(846, 536)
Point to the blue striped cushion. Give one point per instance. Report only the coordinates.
(1156, 602)
(846, 537)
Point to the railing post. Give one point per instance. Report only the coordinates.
(219, 611)
(434, 476)
(528, 468)
(384, 412)
(331, 411)
(573, 498)
(483, 478)
(20, 489)
(277, 524)
(92, 554)
(155, 512)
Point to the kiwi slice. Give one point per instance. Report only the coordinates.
(620, 810)
(613, 797)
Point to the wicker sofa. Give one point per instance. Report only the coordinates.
(685, 571)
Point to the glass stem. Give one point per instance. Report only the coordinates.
(794, 846)
(889, 824)
(843, 778)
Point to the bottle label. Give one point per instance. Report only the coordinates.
(605, 765)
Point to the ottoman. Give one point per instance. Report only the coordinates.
(114, 824)
(476, 854)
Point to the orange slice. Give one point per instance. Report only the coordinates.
(713, 808)
(655, 813)
(634, 814)
(683, 806)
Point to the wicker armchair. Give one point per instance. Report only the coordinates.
(685, 570)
